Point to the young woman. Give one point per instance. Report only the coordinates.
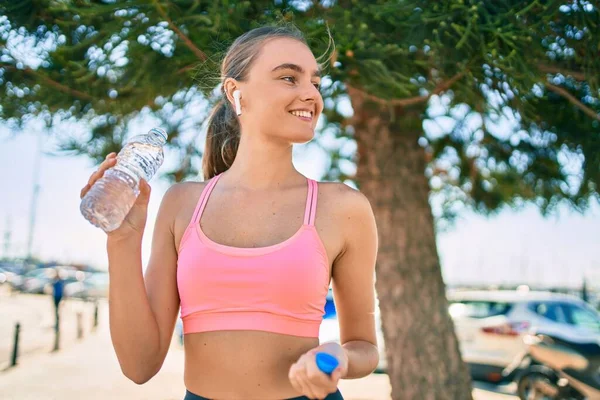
(249, 253)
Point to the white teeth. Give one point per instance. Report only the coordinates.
(305, 114)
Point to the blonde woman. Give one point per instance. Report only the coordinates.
(248, 254)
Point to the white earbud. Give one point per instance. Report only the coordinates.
(236, 97)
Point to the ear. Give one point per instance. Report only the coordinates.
(229, 86)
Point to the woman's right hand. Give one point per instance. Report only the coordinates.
(134, 223)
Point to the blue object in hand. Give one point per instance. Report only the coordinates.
(326, 362)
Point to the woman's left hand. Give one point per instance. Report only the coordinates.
(309, 380)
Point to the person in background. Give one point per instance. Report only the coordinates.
(58, 289)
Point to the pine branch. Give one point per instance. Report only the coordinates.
(564, 93)
(199, 53)
(580, 76)
(412, 100)
(54, 84)
(186, 68)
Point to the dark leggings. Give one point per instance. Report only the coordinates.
(334, 396)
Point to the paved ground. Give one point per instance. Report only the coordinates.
(88, 369)
(35, 313)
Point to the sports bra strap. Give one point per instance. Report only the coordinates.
(313, 210)
(311, 203)
(204, 198)
(309, 211)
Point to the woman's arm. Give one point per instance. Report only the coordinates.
(142, 310)
(354, 284)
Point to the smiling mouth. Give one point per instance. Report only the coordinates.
(307, 119)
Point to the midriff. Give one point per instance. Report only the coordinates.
(236, 365)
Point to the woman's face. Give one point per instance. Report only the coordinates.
(283, 78)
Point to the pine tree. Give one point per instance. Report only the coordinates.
(484, 103)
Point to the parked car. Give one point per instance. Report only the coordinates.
(39, 280)
(14, 267)
(37, 275)
(6, 276)
(94, 286)
(490, 325)
(67, 273)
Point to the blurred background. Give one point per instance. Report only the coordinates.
(492, 108)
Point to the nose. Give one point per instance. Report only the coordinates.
(309, 93)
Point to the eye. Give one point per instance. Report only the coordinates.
(293, 80)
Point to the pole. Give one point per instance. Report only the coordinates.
(34, 197)
(57, 327)
(95, 314)
(7, 234)
(79, 325)
(15, 352)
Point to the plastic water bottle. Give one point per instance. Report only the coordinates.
(109, 200)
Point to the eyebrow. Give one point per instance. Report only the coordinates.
(296, 68)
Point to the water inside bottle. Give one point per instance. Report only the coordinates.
(109, 200)
(143, 159)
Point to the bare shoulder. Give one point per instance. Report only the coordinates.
(346, 210)
(178, 194)
(179, 203)
(181, 188)
(344, 200)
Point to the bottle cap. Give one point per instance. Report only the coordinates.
(161, 132)
(326, 362)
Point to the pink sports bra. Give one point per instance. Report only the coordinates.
(279, 288)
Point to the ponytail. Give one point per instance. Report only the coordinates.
(222, 140)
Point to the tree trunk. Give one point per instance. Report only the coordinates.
(423, 356)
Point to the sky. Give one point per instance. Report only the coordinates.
(512, 247)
